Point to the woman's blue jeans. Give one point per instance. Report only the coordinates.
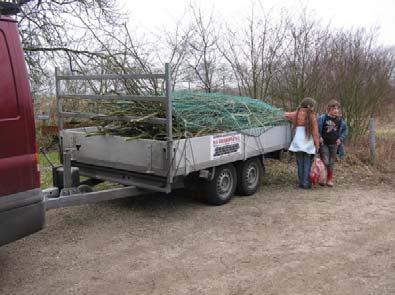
(304, 161)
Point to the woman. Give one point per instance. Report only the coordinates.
(306, 139)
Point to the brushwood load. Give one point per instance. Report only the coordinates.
(194, 114)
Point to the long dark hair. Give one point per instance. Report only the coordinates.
(308, 103)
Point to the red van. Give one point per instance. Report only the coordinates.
(21, 200)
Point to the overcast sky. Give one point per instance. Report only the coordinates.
(154, 14)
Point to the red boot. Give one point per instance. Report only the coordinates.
(329, 180)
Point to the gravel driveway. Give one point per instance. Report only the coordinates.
(279, 241)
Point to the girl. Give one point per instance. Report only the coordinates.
(306, 140)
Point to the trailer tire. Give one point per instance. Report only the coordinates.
(83, 188)
(249, 176)
(222, 187)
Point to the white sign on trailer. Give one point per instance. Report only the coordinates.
(223, 145)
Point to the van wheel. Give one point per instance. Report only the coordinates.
(220, 190)
(249, 176)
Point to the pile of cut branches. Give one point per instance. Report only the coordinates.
(194, 114)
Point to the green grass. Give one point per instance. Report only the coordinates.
(46, 169)
(46, 172)
(280, 173)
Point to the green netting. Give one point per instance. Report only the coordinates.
(212, 112)
(194, 114)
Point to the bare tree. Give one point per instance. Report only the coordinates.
(302, 65)
(359, 75)
(254, 52)
(203, 55)
(51, 32)
(174, 49)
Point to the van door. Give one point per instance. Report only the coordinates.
(22, 210)
(18, 167)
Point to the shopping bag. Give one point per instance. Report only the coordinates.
(322, 171)
(317, 172)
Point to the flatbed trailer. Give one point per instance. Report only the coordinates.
(216, 164)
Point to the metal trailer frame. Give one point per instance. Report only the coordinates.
(53, 199)
(177, 158)
(166, 99)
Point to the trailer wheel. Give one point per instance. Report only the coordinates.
(222, 187)
(83, 188)
(249, 176)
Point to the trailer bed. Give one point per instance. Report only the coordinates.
(148, 156)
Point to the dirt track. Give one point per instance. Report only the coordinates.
(326, 241)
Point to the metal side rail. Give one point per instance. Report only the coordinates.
(53, 202)
(149, 182)
(163, 96)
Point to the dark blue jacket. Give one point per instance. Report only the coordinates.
(343, 132)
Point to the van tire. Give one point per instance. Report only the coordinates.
(249, 176)
(222, 187)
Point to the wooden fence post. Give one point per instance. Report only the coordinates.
(372, 140)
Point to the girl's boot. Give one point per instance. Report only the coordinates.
(329, 180)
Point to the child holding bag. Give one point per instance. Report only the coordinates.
(333, 131)
(306, 139)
